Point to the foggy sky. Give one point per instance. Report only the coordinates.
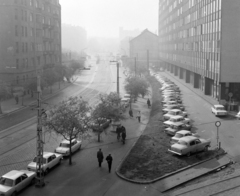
(104, 17)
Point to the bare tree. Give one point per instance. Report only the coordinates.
(70, 119)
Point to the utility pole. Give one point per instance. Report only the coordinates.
(117, 75)
(39, 170)
(135, 64)
(148, 61)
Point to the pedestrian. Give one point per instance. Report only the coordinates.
(139, 116)
(100, 157)
(148, 103)
(130, 113)
(16, 98)
(123, 136)
(118, 131)
(109, 160)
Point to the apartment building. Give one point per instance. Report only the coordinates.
(199, 42)
(30, 38)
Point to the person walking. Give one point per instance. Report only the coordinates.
(130, 113)
(109, 160)
(148, 103)
(100, 157)
(139, 116)
(123, 136)
(118, 131)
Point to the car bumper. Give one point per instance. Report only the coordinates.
(174, 152)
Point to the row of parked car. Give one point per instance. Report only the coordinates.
(176, 121)
(14, 181)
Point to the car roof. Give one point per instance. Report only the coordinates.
(67, 141)
(13, 174)
(188, 138)
(220, 106)
(176, 110)
(47, 154)
(184, 131)
(176, 117)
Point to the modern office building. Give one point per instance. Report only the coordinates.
(199, 41)
(30, 38)
(144, 48)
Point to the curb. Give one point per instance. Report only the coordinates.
(33, 102)
(166, 175)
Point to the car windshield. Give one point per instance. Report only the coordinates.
(35, 160)
(173, 120)
(6, 181)
(171, 112)
(178, 135)
(64, 145)
(220, 108)
(182, 143)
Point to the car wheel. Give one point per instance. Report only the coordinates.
(32, 181)
(46, 171)
(206, 149)
(14, 194)
(189, 154)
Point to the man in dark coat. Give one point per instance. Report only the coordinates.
(118, 131)
(100, 157)
(109, 160)
(148, 103)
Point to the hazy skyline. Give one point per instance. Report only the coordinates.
(103, 18)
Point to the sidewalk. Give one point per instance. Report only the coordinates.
(10, 105)
(200, 93)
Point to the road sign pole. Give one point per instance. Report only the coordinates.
(218, 124)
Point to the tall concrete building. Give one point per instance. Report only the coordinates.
(30, 38)
(199, 42)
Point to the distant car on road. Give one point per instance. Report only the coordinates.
(64, 147)
(219, 110)
(16, 180)
(50, 160)
(188, 145)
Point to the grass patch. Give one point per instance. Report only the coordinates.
(149, 158)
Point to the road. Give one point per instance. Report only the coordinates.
(199, 109)
(18, 143)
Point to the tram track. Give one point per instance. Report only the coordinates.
(90, 94)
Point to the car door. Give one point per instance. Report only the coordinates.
(18, 185)
(192, 146)
(199, 145)
(53, 160)
(24, 181)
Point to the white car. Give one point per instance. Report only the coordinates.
(175, 119)
(174, 112)
(14, 181)
(219, 110)
(238, 115)
(181, 134)
(50, 160)
(64, 147)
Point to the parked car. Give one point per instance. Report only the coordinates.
(179, 106)
(171, 99)
(174, 112)
(181, 134)
(50, 160)
(174, 128)
(219, 110)
(16, 180)
(104, 123)
(175, 119)
(238, 115)
(64, 147)
(125, 102)
(172, 103)
(170, 107)
(188, 145)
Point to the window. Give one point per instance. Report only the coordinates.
(25, 15)
(38, 60)
(22, 13)
(192, 143)
(16, 14)
(16, 30)
(23, 46)
(26, 34)
(17, 47)
(26, 47)
(18, 180)
(22, 31)
(32, 32)
(17, 63)
(31, 17)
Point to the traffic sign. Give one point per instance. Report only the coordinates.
(217, 123)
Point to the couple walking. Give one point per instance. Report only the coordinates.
(100, 158)
(121, 130)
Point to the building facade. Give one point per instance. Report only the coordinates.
(199, 41)
(30, 37)
(144, 48)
